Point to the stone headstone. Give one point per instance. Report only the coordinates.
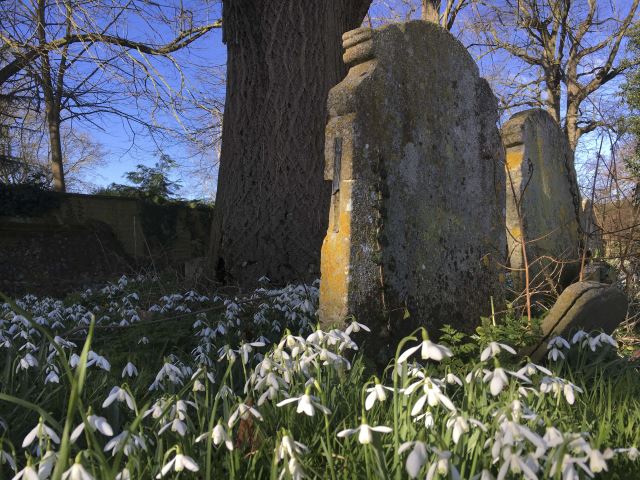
(543, 202)
(417, 169)
(584, 306)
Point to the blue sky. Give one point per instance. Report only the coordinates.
(125, 150)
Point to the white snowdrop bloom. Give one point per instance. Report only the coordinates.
(176, 425)
(459, 425)
(246, 348)
(532, 369)
(121, 395)
(442, 466)
(598, 459)
(74, 360)
(493, 349)
(124, 475)
(295, 469)
(129, 370)
(95, 423)
(289, 448)
(416, 459)
(26, 362)
(428, 350)
(218, 435)
(604, 338)
(427, 418)
(553, 437)
(555, 354)
(52, 377)
(579, 337)
(6, 457)
(559, 386)
(42, 432)
(475, 374)
(498, 379)
(47, 464)
(179, 463)
(27, 473)
(243, 412)
(377, 393)
(365, 432)
(450, 378)
(125, 441)
(558, 342)
(356, 327)
(432, 396)
(144, 340)
(76, 472)
(517, 464)
(98, 360)
(568, 467)
(307, 404)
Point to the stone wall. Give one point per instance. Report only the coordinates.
(70, 239)
(417, 167)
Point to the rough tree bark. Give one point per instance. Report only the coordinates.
(430, 11)
(272, 202)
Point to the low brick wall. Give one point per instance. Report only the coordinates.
(89, 237)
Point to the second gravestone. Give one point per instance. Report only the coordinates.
(415, 158)
(543, 202)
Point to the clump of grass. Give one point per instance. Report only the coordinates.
(121, 384)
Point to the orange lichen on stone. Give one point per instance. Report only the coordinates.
(335, 259)
(514, 157)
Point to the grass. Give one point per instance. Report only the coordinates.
(226, 386)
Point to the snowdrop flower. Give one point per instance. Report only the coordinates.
(497, 380)
(246, 348)
(5, 457)
(307, 404)
(598, 460)
(450, 378)
(52, 377)
(428, 419)
(76, 472)
(27, 473)
(557, 386)
(26, 362)
(46, 464)
(555, 345)
(632, 453)
(95, 423)
(376, 393)
(442, 466)
(177, 426)
(129, 370)
(579, 337)
(124, 475)
(179, 463)
(41, 431)
(356, 327)
(416, 459)
(121, 395)
(567, 467)
(493, 349)
(143, 340)
(459, 425)
(514, 462)
(428, 350)
(218, 435)
(289, 448)
(532, 369)
(94, 359)
(553, 437)
(126, 441)
(243, 412)
(364, 431)
(432, 396)
(554, 354)
(604, 338)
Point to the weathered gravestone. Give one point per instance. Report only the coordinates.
(584, 306)
(543, 202)
(417, 168)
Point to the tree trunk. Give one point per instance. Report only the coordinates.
(430, 11)
(272, 202)
(55, 146)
